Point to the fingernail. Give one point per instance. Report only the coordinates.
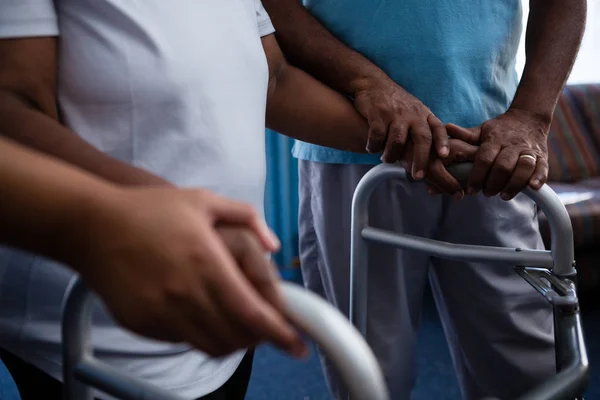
(459, 195)
(505, 196)
(418, 175)
(470, 191)
(271, 236)
(536, 182)
(444, 151)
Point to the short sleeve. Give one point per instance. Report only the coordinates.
(27, 18)
(265, 27)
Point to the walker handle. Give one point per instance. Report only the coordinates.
(560, 259)
(336, 336)
(561, 230)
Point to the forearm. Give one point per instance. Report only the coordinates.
(32, 128)
(44, 203)
(554, 32)
(303, 108)
(307, 44)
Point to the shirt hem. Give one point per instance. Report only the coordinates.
(28, 28)
(217, 378)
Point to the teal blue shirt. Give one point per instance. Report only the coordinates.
(456, 56)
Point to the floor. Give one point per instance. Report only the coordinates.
(276, 377)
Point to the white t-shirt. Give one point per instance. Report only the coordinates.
(176, 87)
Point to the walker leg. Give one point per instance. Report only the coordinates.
(571, 357)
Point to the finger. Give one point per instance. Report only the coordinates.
(440, 136)
(501, 171)
(396, 142)
(460, 152)
(484, 159)
(216, 327)
(421, 137)
(406, 159)
(222, 209)
(234, 294)
(378, 131)
(540, 175)
(443, 181)
(260, 272)
(520, 177)
(469, 135)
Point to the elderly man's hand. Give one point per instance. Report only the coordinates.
(397, 119)
(438, 178)
(512, 153)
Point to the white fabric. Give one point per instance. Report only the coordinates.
(178, 88)
(500, 330)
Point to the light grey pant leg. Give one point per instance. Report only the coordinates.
(395, 293)
(500, 330)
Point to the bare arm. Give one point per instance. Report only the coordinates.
(513, 147)
(554, 33)
(313, 48)
(28, 112)
(43, 202)
(153, 255)
(302, 107)
(399, 123)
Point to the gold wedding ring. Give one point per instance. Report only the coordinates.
(528, 156)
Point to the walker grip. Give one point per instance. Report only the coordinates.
(461, 172)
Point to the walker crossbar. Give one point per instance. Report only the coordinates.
(552, 273)
(328, 327)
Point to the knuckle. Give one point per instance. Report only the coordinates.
(485, 160)
(397, 141)
(377, 131)
(423, 137)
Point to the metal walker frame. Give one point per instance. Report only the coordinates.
(327, 326)
(554, 277)
(554, 274)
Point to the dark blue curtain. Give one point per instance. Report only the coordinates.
(281, 197)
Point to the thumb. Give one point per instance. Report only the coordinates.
(469, 135)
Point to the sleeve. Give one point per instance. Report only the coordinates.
(27, 18)
(265, 26)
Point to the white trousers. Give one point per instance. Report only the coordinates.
(499, 329)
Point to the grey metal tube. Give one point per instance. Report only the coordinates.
(461, 252)
(558, 218)
(568, 383)
(359, 250)
(338, 338)
(561, 230)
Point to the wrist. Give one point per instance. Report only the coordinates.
(367, 80)
(535, 102)
(541, 117)
(78, 234)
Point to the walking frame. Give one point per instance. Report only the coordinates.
(551, 273)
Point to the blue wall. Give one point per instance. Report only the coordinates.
(281, 197)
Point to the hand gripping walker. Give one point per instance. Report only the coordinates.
(554, 274)
(328, 327)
